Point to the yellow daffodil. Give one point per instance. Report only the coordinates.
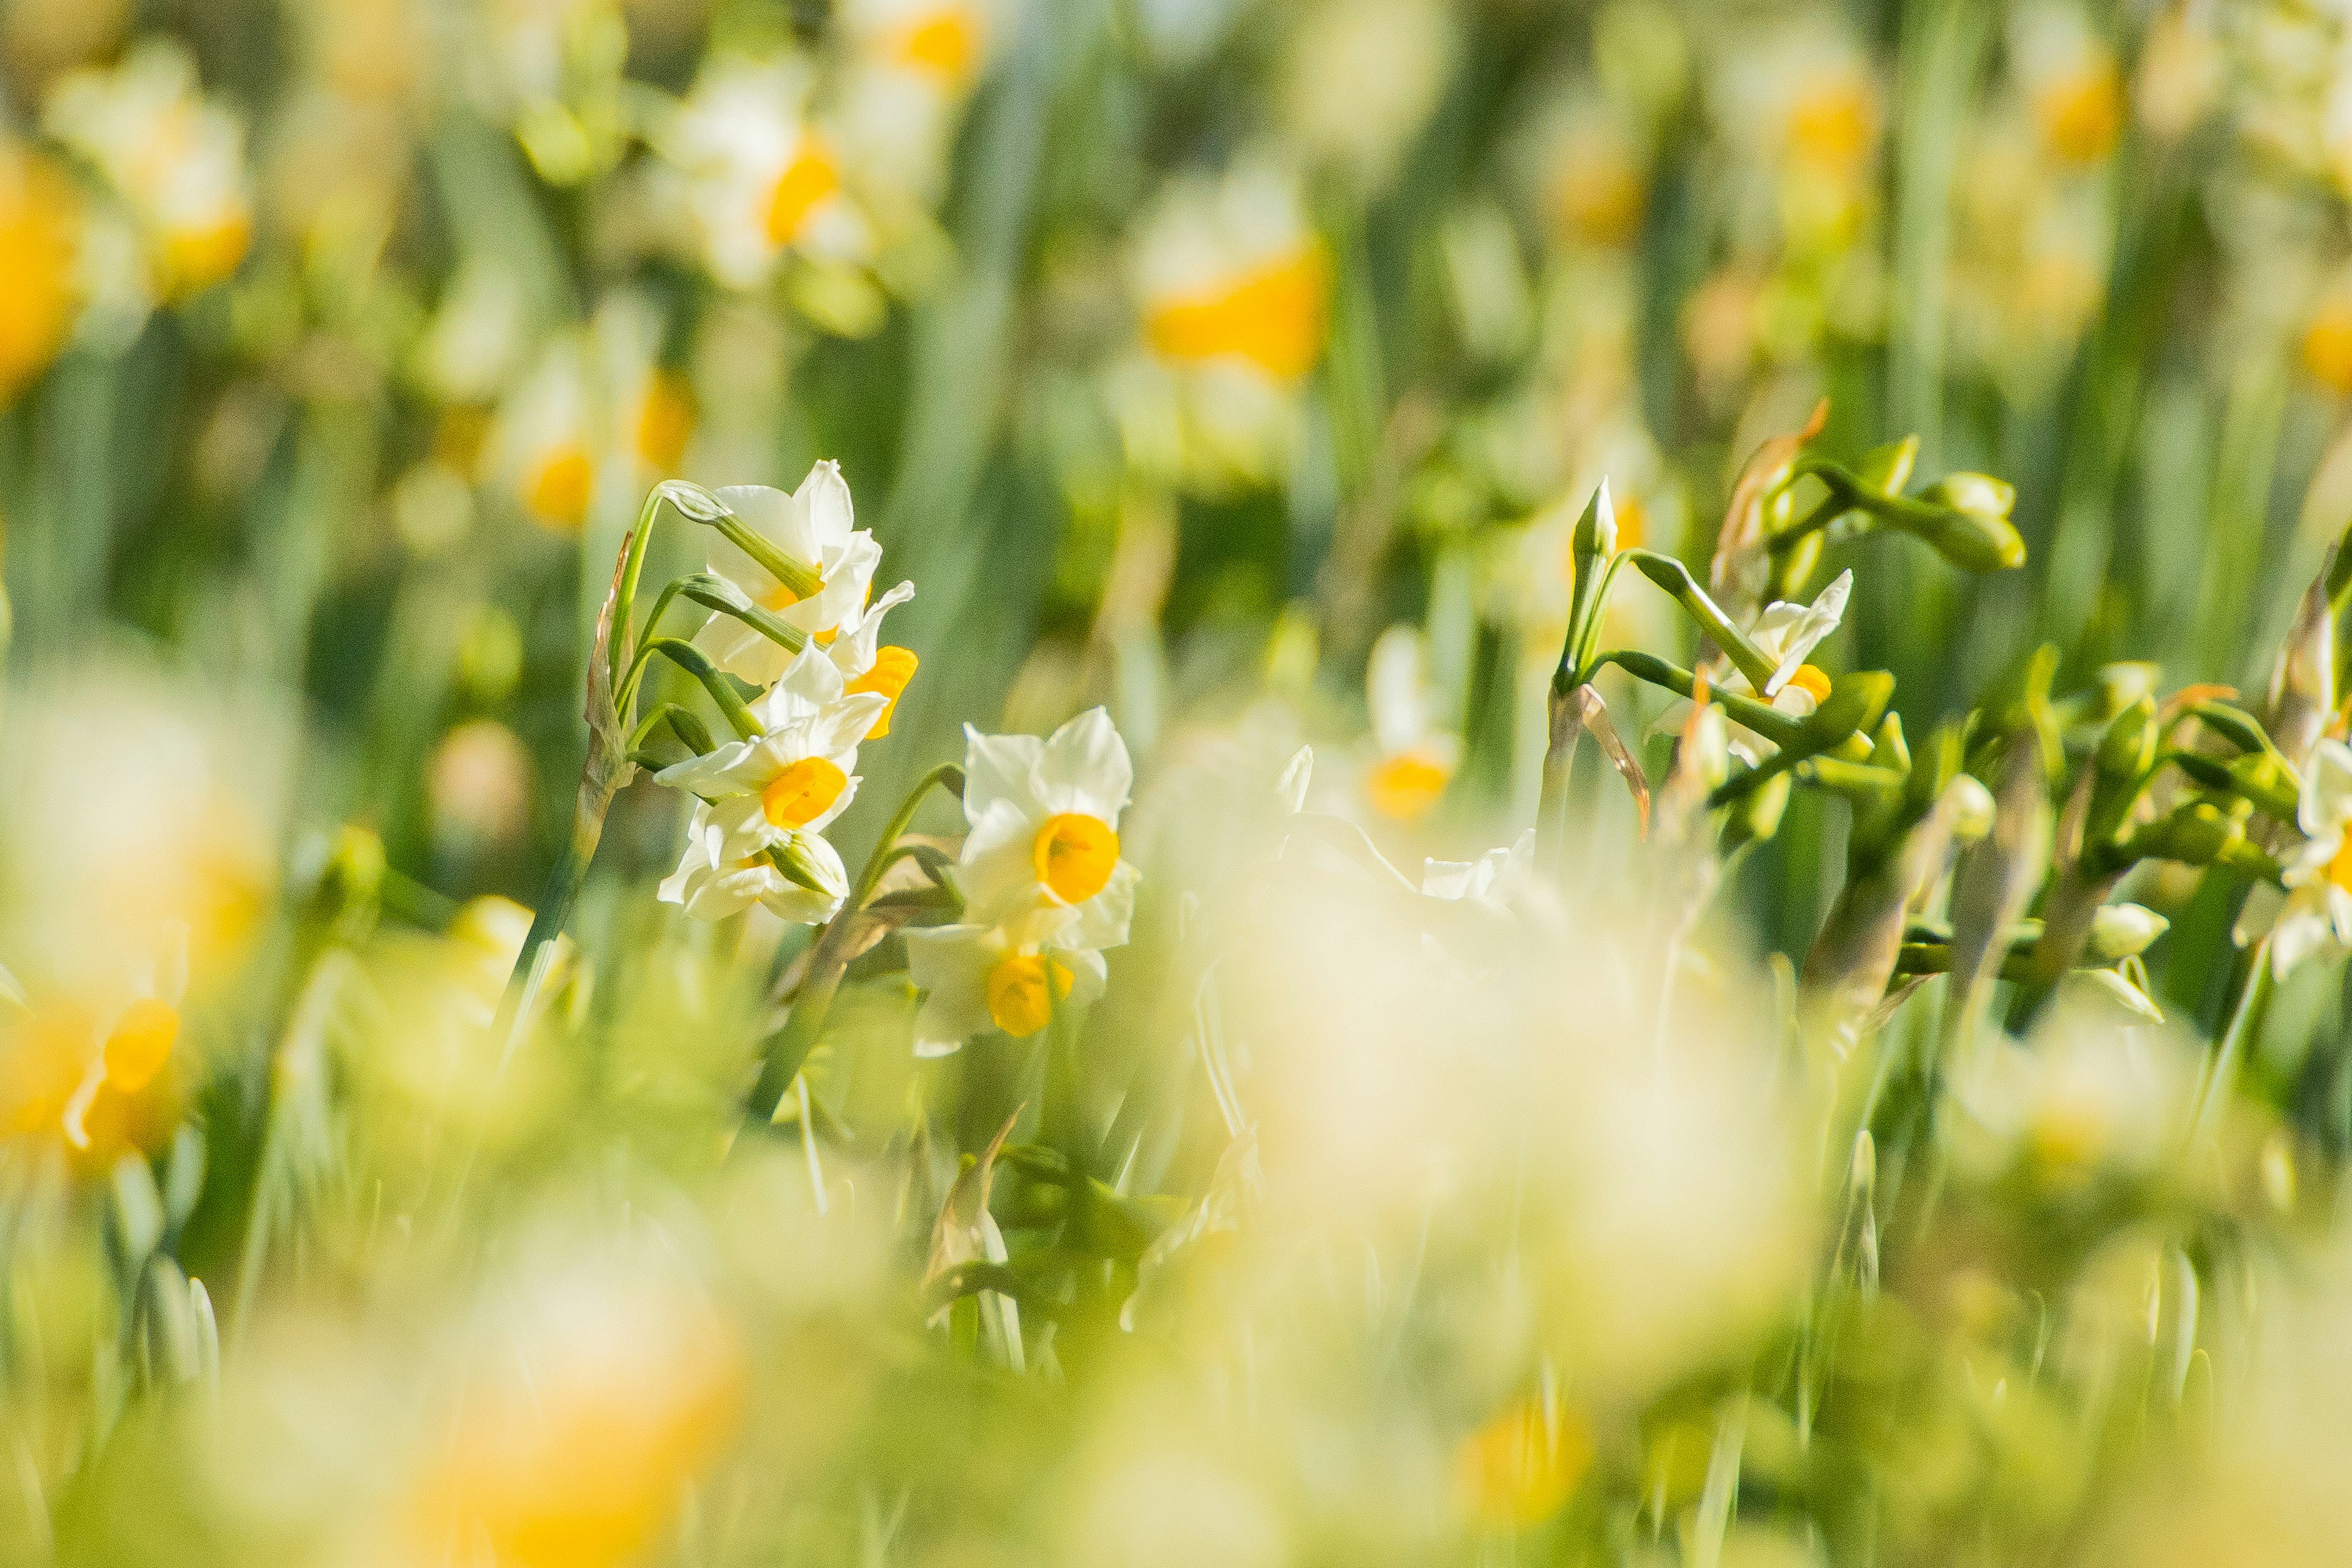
(177, 160)
(92, 1074)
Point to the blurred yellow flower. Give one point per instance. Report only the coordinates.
(609, 1391)
(38, 224)
(2328, 340)
(1517, 1469)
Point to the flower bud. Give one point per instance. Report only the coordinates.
(1971, 806)
(2120, 931)
(1595, 538)
(2128, 747)
(804, 870)
(1970, 524)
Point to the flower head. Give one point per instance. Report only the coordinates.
(765, 802)
(2316, 915)
(1044, 826)
(762, 179)
(816, 525)
(1416, 757)
(1011, 976)
(176, 159)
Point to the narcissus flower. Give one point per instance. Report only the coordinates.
(867, 665)
(814, 526)
(91, 1072)
(1787, 635)
(2316, 915)
(1416, 757)
(1011, 976)
(762, 180)
(1233, 288)
(177, 160)
(775, 793)
(1044, 826)
(912, 65)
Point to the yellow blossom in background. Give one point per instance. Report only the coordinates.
(176, 158)
(1517, 1469)
(2326, 346)
(38, 214)
(610, 1390)
(2072, 81)
(1232, 292)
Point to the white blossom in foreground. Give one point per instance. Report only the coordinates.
(1045, 825)
(816, 526)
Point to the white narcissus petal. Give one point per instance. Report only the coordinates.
(827, 509)
(1088, 973)
(997, 871)
(1083, 767)
(2327, 804)
(734, 830)
(853, 653)
(1787, 634)
(1104, 919)
(949, 966)
(733, 768)
(2303, 929)
(1291, 785)
(847, 569)
(1395, 686)
(1447, 878)
(2257, 915)
(810, 684)
(999, 768)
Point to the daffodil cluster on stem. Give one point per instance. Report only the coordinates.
(790, 657)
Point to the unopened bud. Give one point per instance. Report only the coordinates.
(2120, 931)
(1970, 809)
(2128, 747)
(1595, 538)
(1969, 525)
(806, 869)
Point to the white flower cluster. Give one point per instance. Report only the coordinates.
(764, 802)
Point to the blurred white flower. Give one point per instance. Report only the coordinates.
(762, 180)
(1232, 287)
(175, 158)
(1414, 756)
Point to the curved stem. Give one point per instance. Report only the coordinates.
(696, 663)
(814, 1001)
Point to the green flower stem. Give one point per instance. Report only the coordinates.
(1767, 721)
(1575, 665)
(1673, 579)
(625, 598)
(802, 580)
(715, 594)
(532, 965)
(1559, 778)
(826, 965)
(696, 663)
(2246, 1017)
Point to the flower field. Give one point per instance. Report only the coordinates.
(1150, 782)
